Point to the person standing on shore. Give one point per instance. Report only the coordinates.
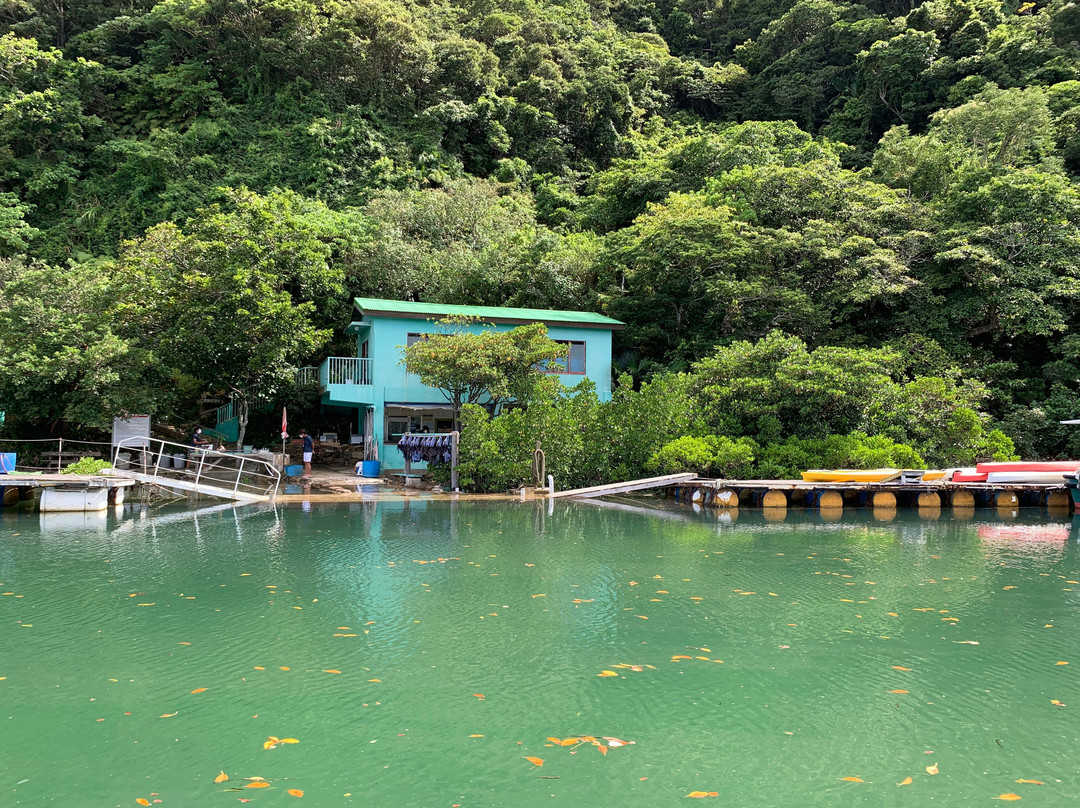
(309, 451)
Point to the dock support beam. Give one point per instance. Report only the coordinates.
(774, 499)
(1057, 499)
(884, 499)
(725, 498)
(963, 499)
(830, 500)
(928, 499)
(1006, 499)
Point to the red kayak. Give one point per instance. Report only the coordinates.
(959, 477)
(1034, 465)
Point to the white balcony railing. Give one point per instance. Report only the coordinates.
(345, 370)
(307, 375)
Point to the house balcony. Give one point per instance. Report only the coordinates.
(346, 380)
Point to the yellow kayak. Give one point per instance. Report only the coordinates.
(861, 475)
(849, 475)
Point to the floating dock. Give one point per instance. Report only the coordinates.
(64, 492)
(827, 496)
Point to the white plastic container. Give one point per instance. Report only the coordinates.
(179, 460)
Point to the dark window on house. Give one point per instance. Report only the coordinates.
(412, 339)
(573, 363)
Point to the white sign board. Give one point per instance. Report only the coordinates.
(127, 429)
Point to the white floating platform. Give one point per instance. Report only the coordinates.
(87, 499)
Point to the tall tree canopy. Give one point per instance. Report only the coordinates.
(855, 174)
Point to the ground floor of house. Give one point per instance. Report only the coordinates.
(378, 427)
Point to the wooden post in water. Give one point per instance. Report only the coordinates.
(454, 460)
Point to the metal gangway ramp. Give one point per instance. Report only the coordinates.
(623, 488)
(227, 475)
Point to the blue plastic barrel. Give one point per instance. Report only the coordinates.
(370, 468)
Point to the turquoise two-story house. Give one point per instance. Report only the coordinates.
(390, 401)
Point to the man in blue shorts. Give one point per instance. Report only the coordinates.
(309, 451)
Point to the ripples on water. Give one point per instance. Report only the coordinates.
(494, 619)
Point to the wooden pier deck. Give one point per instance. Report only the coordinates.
(53, 480)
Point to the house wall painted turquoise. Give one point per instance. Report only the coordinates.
(390, 401)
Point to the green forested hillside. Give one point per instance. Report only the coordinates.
(895, 175)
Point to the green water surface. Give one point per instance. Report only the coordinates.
(466, 634)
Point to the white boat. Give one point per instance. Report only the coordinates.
(1026, 477)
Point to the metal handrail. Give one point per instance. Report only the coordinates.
(246, 465)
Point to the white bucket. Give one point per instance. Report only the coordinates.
(123, 460)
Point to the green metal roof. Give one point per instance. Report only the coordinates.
(405, 308)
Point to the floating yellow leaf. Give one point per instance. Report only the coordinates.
(699, 794)
(221, 778)
(534, 760)
(1033, 782)
(1010, 797)
(607, 673)
(199, 690)
(853, 779)
(259, 668)
(142, 801)
(1057, 703)
(898, 691)
(643, 617)
(900, 668)
(570, 741)
(269, 744)
(680, 656)
(905, 782)
(288, 740)
(603, 749)
(556, 741)
(169, 715)
(282, 667)
(476, 736)
(1061, 663)
(295, 792)
(380, 680)
(331, 670)
(258, 784)
(932, 769)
